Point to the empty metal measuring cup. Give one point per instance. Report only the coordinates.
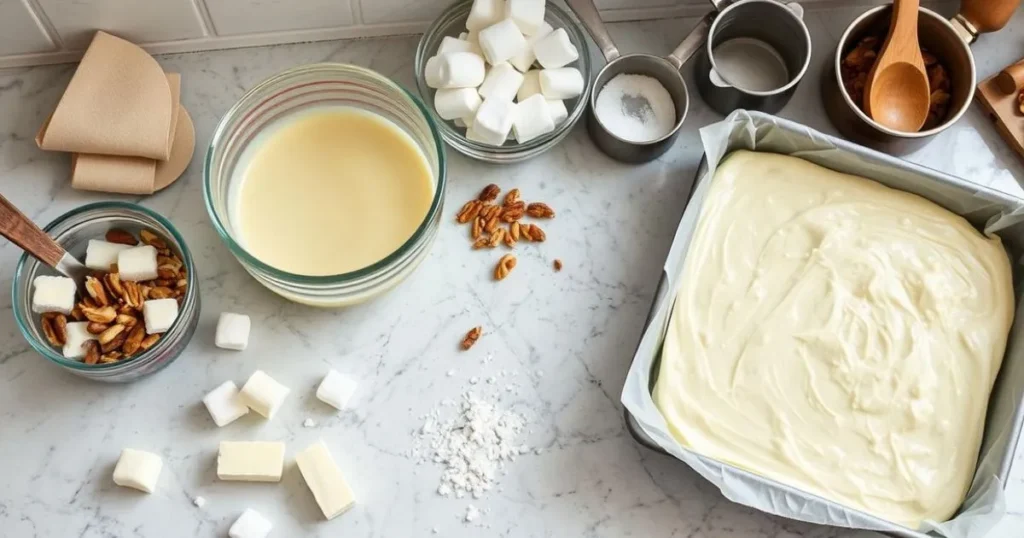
(665, 70)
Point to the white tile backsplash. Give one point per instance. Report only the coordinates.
(234, 17)
(142, 21)
(20, 33)
(50, 31)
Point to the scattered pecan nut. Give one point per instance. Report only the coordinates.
(512, 197)
(469, 211)
(117, 235)
(471, 337)
(489, 194)
(504, 267)
(48, 331)
(477, 229)
(152, 239)
(92, 352)
(496, 238)
(540, 210)
(558, 264)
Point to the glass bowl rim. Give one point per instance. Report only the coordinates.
(48, 352)
(284, 76)
(455, 11)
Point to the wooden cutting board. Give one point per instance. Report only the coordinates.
(1004, 111)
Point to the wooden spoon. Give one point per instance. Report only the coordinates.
(14, 225)
(896, 94)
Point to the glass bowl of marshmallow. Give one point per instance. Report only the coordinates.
(505, 80)
(87, 233)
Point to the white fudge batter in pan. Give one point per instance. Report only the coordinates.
(836, 335)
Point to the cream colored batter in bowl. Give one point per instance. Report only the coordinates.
(837, 335)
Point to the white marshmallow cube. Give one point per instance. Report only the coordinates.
(527, 14)
(432, 72)
(555, 50)
(558, 111)
(501, 42)
(493, 121)
(100, 255)
(251, 524)
(159, 314)
(451, 44)
(456, 103)
(336, 390)
(137, 263)
(74, 346)
(464, 123)
(232, 331)
(530, 85)
(532, 119)
(484, 13)
(138, 469)
(263, 394)
(53, 294)
(501, 82)
(561, 83)
(524, 60)
(225, 404)
(460, 70)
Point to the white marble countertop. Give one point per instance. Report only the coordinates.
(60, 435)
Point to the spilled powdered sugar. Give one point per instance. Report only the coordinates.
(473, 446)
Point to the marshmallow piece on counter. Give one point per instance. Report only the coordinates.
(484, 13)
(251, 524)
(263, 394)
(138, 469)
(250, 461)
(232, 331)
(501, 42)
(100, 255)
(336, 390)
(530, 85)
(460, 70)
(532, 119)
(53, 294)
(225, 404)
(456, 103)
(493, 121)
(74, 346)
(432, 72)
(137, 263)
(555, 50)
(524, 60)
(561, 83)
(159, 314)
(501, 82)
(527, 14)
(558, 111)
(451, 44)
(324, 479)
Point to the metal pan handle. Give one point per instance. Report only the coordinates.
(693, 41)
(591, 19)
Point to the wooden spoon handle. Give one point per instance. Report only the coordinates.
(14, 225)
(987, 15)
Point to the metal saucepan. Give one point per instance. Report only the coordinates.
(949, 42)
(665, 70)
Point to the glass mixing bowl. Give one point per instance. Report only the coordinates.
(453, 22)
(73, 230)
(294, 90)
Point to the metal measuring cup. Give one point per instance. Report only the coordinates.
(665, 70)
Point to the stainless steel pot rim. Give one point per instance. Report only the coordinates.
(807, 40)
(860, 113)
(596, 91)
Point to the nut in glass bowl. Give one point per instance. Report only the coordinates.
(123, 351)
(453, 22)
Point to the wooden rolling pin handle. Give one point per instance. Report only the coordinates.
(1011, 79)
(987, 15)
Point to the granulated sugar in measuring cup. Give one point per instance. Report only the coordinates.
(636, 108)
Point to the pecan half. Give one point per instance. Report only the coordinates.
(148, 341)
(532, 232)
(134, 340)
(509, 240)
(152, 240)
(51, 335)
(489, 194)
(540, 210)
(60, 327)
(108, 335)
(483, 241)
(95, 290)
(127, 320)
(105, 314)
(113, 283)
(160, 292)
(513, 231)
(92, 352)
(504, 267)
(123, 237)
(76, 313)
(471, 337)
(469, 211)
(114, 344)
(167, 272)
(512, 197)
(478, 227)
(491, 224)
(96, 328)
(496, 237)
(558, 264)
(513, 212)
(113, 356)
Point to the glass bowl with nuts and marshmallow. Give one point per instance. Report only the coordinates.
(504, 80)
(139, 306)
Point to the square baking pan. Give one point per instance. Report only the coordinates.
(988, 210)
